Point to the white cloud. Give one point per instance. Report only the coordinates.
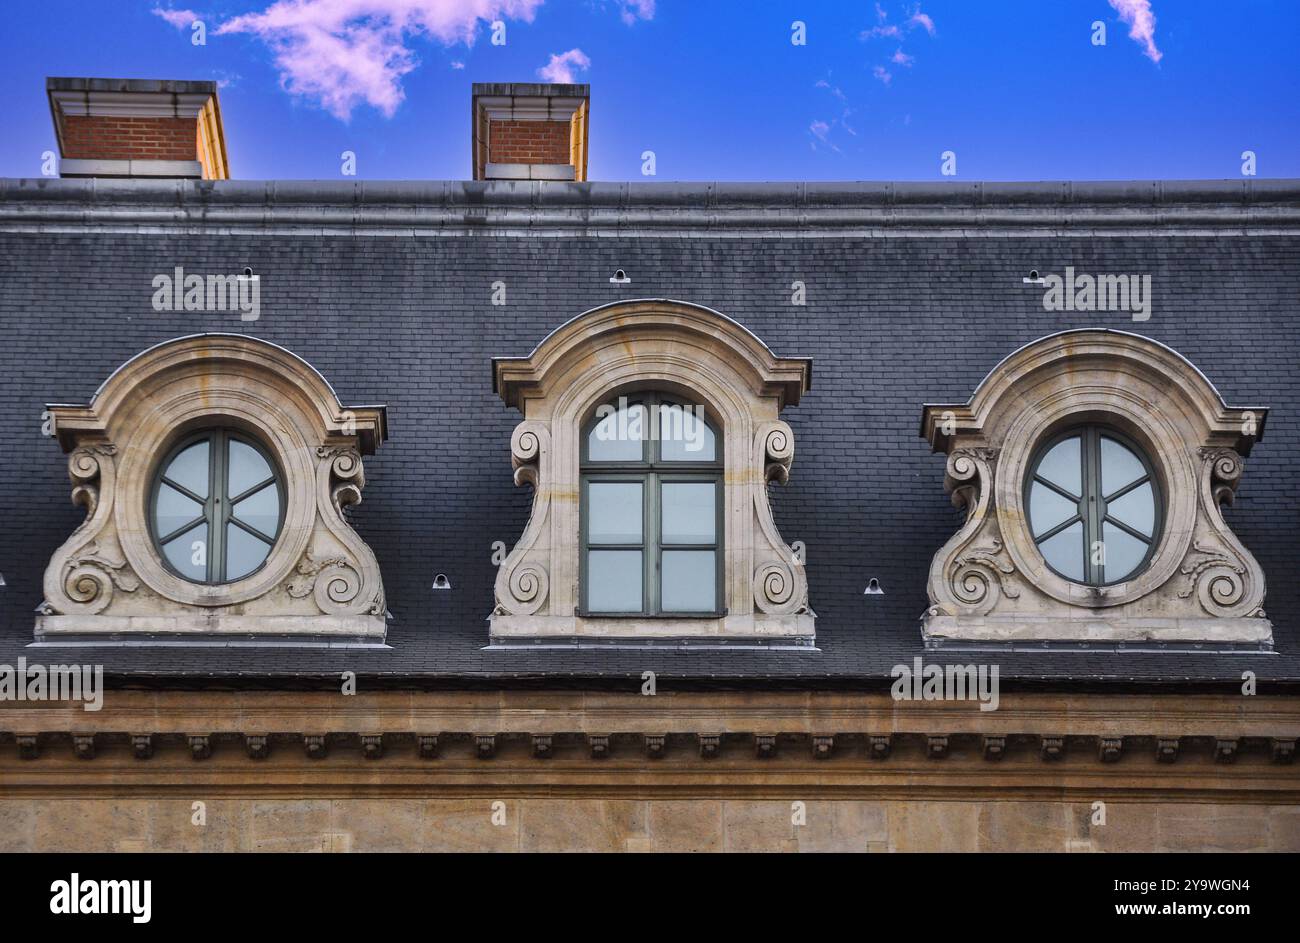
(342, 54)
(633, 10)
(563, 65)
(891, 31)
(882, 74)
(833, 89)
(901, 58)
(1141, 20)
(181, 19)
(923, 20)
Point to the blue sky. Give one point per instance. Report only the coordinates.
(715, 88)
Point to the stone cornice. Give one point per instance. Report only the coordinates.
(534, 712)
(455, 208)
(503, 743)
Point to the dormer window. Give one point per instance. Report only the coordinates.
(217, 507)
(1094, 508)
(1093, 467)
(651, 510)
(651, 430)
(214, 470)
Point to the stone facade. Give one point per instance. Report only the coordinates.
(677, 772)
(912, 293)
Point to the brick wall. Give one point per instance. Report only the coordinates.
(112, 138)
(528, 142)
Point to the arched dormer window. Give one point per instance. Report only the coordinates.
(651, 515)
(1093, 466)
(644, 555)
(214, 470)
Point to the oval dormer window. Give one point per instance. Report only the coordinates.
(216, 507)
(1094, 506)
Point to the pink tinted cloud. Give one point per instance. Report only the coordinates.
(181, 19)
(901, 58)
(562, 66)
(342, 54)
(1141, 21)
(882, 74)
(923, 20)
(632, 10)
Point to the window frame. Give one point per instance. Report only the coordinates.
(218, 507)
(1090, 435)
(651, 471)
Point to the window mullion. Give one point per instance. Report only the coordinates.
(653, 605)
(216, 525)
(1092, 488)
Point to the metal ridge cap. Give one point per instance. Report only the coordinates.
(801, 195)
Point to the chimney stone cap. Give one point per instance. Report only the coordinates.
(164, 86)
(531, 90)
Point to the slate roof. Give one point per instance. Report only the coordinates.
(914, 294)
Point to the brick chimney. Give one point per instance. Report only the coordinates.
(138, 128)
(529, 131)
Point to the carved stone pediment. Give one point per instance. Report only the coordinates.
(990, 581)
(679, 349)
(319, 579)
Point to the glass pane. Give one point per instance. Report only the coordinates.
(173, 510)
(684, 436)
(614, 512)
(689, 582)
(619, 436)
(189, 469)
(247, 468)
(261, 510)
(244, 552)
(1063, 467)
(614, 580)
(1064, 552)
(689, 512)
(1123, 552)
(1137, 509)
(1047, 509)
(1119, 466)
(188, 553)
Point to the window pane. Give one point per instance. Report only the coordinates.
(189, 469)
(173, 510)
(261, 510)
(1047, 509)
(614, 580)
(619, 436)
(689, 512)
(684, 436)
(188, 553)
(614, 512)
(1123, 552)
(1119, 466)
(247, 468)
(689, 582)
(1063, 467)
(1064, 552)
(244, 552)
(1137, 509)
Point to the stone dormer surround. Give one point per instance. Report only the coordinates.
(989, 583)
(705, 357)
(320, 579)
